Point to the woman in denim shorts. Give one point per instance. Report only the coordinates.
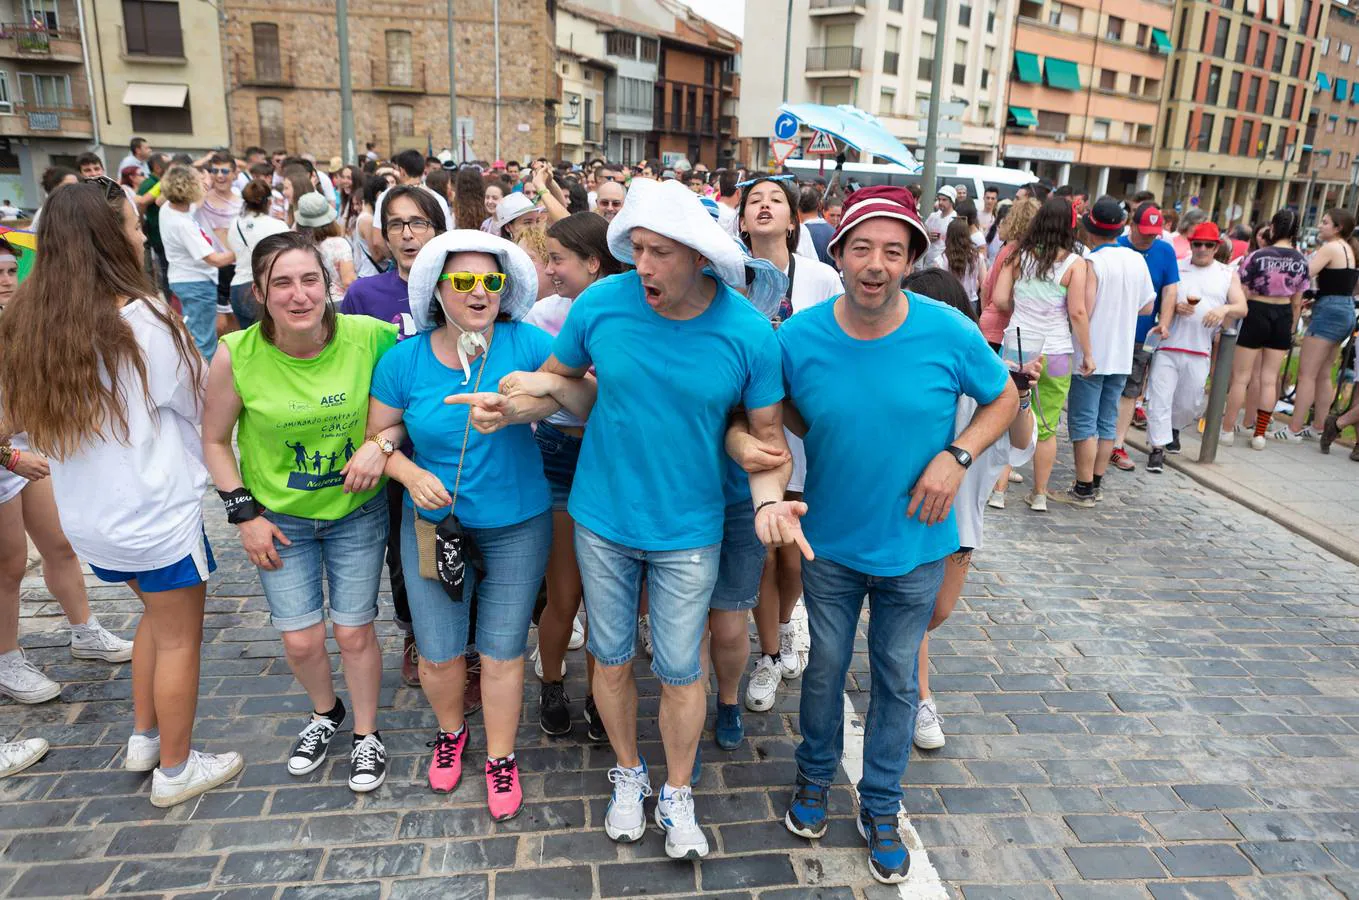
(307, 494)
(1334, 270)
(577, 256)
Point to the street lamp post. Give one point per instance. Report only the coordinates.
(348, 152)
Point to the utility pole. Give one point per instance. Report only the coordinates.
(927, 179)
(348, 152)
(787, 49)
(454, 147)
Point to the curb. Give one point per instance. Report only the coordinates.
(1204, 475)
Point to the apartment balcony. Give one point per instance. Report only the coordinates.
(400, 77)
(265, 72)
(827, 8)
(27, 42)
(834, 62)
(726, 125)
(728, 81)
(44, 121)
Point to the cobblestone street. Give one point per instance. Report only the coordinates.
(1154, 698)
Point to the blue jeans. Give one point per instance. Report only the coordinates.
(243, 304)
(899, 612)
(679, 585)
(199, 299)
(561, 453)
(741, 565)
(516, 560)
(346, 553)
(1092, 406)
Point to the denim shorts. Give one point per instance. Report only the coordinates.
(1137, 379)
(741, 563)
(192, 570)
(199, 301)
(1332, 318)
(679, 583)
(561, 452)
(346, 553)
(1092, 406)
(243, 304)
(516, 560)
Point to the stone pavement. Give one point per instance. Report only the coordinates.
(1156, 698)
(1293, 484)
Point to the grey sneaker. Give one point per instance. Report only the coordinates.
(16, 756)
(21, 680)
(1069, 497)
(202, 772)
(94, 641)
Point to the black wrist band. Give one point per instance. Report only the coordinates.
(241, 505)
(764, 504)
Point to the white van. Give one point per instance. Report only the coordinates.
(977, 178)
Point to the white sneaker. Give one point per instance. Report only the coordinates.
(1257, 442)
(94, 641)
(16, 756)
(1016, 477)
(644, 631)
(202, 772)
(538, 663)
(1037, 502)
(929, 731)
(143, 753)
(1284, 433)
(1308, 433)
(625, 820)
(1226, 438)
(683, 838)
(577, 634)
(791, 662)
(21, 680)
(997, 500)
(763, 688)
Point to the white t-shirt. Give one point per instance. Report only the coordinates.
(970, 502)
(10, 212)
(549, 314)
(814, 282)
(335, 250)
(247, 231)
(937, 223)
(137, 505)
(185, 247)
(443, 204)
(363, 257)
(1210, 284)
(1124, 288)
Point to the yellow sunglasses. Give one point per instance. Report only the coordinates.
(466, 282)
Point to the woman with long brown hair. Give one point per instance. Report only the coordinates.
(107, 383)
(469, 200)
(965, 260)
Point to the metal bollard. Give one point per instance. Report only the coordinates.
(1217, 395)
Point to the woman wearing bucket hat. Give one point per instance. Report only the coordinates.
(513, 214)
(306, 494)
(468, 293)
(316, 219)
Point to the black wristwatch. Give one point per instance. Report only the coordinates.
(964, 458)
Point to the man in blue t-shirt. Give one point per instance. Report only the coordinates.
(675, 352)
(1144, 236)
(873, 380)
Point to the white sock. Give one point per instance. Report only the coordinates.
(667, 791)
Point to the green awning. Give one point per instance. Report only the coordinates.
(1023, 116)
(1062, 74)
(1161, 40)
(1026, 64)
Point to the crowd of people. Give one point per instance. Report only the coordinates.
(527, 390)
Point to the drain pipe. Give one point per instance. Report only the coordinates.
(89, 82)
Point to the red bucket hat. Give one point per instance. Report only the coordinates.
(883, 201)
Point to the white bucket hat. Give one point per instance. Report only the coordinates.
(672, 210)
(512, 207)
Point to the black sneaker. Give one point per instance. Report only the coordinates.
(1174, 445)
(312, 743)
(594, 725)
(1156, 460)
(554, 715)
(367, 764)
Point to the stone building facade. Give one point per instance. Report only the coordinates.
(283, 76)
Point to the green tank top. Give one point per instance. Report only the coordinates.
(302, 419)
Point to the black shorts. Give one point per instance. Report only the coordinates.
(1137, 379)
(1267, 325)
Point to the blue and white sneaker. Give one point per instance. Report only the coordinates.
(729, 731)
(625, 820)
(683, 838)
(888, 858)
(806, 816)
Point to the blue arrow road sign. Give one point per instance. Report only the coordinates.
(785, 126)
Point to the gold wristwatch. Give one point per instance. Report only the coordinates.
(386, 446)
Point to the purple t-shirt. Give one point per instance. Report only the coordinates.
(1274, 272)
(382, 297)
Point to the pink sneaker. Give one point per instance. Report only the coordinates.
(445, 769)
(503, 794)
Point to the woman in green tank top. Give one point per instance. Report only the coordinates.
(307, 493)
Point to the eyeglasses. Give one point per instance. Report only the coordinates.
(1203, 245)
(219, 170)
(466, 282)
(417, 226)
(112, 190)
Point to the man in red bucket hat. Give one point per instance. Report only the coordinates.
(873, 379)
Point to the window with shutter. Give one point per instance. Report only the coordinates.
(400, 122)
(151, 28)
(272, 132)
(268, 62)
(399, 69)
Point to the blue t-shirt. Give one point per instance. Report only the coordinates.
(877, 412)
(1165, 269)
(502, 473)
(652, 463)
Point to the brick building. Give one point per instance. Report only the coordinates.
(694, 108)
(283, 76)
(1327, 170)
